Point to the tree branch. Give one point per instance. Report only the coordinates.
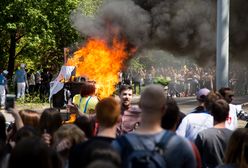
(21, 50)
(19, 37)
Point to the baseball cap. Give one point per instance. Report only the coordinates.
(202, 93)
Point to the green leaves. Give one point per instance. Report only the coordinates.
(41, 29)
(11, 26)
(161, 80)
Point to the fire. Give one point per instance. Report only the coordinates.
(100, 62)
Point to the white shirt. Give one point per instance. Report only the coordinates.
(232, 120)
(193, 123)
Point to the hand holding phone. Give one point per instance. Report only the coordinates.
(10, 101)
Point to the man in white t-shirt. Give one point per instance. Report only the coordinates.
(236, 112)
(198, 120)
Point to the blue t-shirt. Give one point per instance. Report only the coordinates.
(20, 76)
(3, 80)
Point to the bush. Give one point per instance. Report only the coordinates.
(161, 80)
(31, 99)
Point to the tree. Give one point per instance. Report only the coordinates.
(37, 30)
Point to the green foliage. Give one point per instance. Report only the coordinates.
(161, 80)
(31, 99)
(89, 7)
(135, 64)
(41, 29)
(31, 102)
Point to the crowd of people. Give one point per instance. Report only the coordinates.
(35, 83)
(113, 132)
(182, 80)
(185, 80)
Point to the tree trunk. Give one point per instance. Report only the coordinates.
(12, 53)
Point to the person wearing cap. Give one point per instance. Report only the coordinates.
(21, 80)
(236, 112)
(197, 120)
(3, 88)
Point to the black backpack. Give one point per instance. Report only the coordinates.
(137, 155)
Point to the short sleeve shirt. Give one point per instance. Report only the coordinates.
(81, 102)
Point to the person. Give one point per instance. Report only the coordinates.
(127, 78)
(22, 133)
(130, 114)
(17, 118)
(3, 138)
(50, 121)
(197, 120)
(103, 163)
(21, 80)
(237, 148)
(46, 77)
(30, 118)
(38, 80)
(151, 139)
(99, 151)
(236, 112)
(172, 117)
(33, 152)
(212, 142)
(136, 78)
(31, 82)
(3, 88)
(85, 102)
(65, 138)
(107, 116)
(85, 124)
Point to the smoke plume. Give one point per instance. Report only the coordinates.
(182, 27)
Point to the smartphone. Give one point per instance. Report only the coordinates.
(10, 101)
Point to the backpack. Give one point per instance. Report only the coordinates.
(139, 156)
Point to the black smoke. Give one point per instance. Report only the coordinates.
(239, 31)
(182, 27)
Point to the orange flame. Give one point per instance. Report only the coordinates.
(101, 63)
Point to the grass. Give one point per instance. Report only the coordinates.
(32, 106)
(32, 102)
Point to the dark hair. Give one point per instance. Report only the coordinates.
(236, 148)
(50, 120)
(220, 110)
(125, 87)
(223, 90)
(100, 163)
(104, 151)
(211, 98)
(85, 124)
(170, 118)
(33, 152)
(3, 135)
(202, 98)
(87, 89)
(25, 132)
(94, 150)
